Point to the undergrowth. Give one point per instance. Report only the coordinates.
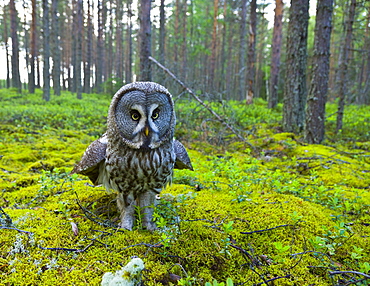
(290, 214)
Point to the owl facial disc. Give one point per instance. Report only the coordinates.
(146, 132)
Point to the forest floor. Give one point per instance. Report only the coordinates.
(287, 213)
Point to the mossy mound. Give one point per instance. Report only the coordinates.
(290, 215)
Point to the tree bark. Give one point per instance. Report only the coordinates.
(364, 97)
(128, 64)
(343, 65)
(100, 62)
(252, 52)
(119, 42)
(145, 41)
(317, 96)
(5, 30)
(242, 51)
(276, 52)
(16, 80)
(56, 47)
(214, 47)
(295, 91)
(46, 39)
(89, 43)
(79, 49)
(162, 37)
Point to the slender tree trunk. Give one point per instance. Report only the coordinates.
(56, 47)
(316, 100)
(5, 30)
(343, 65)
(79, 49)
(145, 40)
(128, 65)
(252, 52)
(119, 43)
(100, 47)
(243, 44)
(295, 91)
(276, 52)
(38, 72)
(26, 43)
(16, 80)
(214, 47)
(184, 41)
(223, 48)
(364, 90)
(176, 37)
(109, 38)
(162, 38)
(87, 66)
(46, 39)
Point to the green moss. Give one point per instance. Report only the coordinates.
(225, 219)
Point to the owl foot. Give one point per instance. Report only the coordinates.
(127, 216)
(127, 221)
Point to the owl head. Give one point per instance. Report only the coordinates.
(142, 114)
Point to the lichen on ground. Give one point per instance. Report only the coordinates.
(292, 213)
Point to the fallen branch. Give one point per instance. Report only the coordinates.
(68, 249)
(272, 279)
(219, 118)
(78, 250)
(267, 229)
(14, 228)
(349, 272)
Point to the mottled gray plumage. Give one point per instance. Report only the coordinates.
(137, 154)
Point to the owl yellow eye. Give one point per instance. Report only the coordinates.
(135, 115)
(155, 114)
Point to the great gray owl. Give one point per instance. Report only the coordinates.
(137, 154)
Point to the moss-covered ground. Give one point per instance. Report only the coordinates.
(287, 214)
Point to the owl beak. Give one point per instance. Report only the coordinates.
(146, 131)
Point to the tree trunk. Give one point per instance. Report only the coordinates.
(317, 96)
(145, 40)
(222, 84)
(252, 52)
(162, 38)
(243, 44)
(184, 41)
(128, 64)
(119, 43)
(5, 30)
(276, 52)
(79, 49)
(214, 47)
(343, 65)
(364, 91)
(90, 34)
(56, 47)
(26, 43)
(46, 36)
(16, 80)
(100, 48)
(295, 91)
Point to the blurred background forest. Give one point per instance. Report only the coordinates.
(222, 49)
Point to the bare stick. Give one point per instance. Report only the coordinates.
(349, 272)
(267, 229)
(219, 118)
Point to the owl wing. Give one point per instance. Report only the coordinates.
(92, 159)
(182, 157)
